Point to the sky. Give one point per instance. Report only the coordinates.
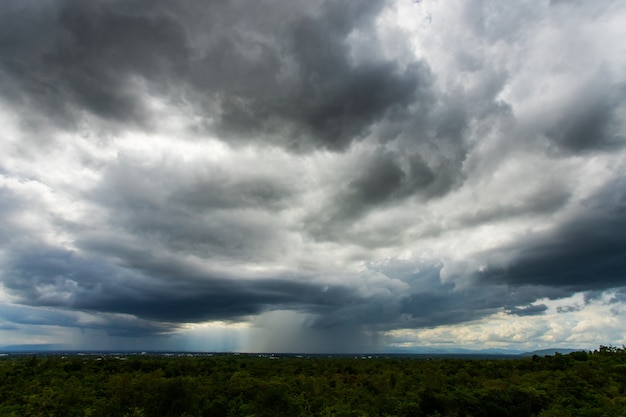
(312, 176)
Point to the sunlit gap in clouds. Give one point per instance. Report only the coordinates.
(580, 321)
(216, 336)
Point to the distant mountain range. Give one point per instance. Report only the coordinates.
(483, 352)
(546, 352)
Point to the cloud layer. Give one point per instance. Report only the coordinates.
(320, 175)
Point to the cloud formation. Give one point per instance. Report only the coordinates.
(399, 173)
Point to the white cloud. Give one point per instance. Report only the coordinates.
(587, 326)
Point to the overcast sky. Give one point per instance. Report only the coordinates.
(286, 175)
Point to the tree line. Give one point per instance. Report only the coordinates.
(577, 384)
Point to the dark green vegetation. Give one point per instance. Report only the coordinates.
(577, 384)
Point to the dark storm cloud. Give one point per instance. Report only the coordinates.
(291, 81)
(21, 314)
(303, 84)
(212, 299)
(384, 179)
(434, 308)
(381, 179)
(71, 57)
(592, 123)
(377, 183)
(584, 253)
(154, 289)
(429, 302)
(581, 257)
(445, 305)
(113, 324)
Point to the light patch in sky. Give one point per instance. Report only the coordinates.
(572, 321)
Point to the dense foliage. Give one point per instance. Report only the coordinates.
(577, 384)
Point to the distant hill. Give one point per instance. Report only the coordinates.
(552, 351)
(455, 351)
(31, 347)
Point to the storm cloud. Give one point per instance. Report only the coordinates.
(321, 175)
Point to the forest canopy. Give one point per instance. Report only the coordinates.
(577, 384)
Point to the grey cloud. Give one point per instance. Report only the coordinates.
(380, 180)
(548, 199)
(157, 295)
(444, 305)
(226, 193)
(592, 123)
(9, 207)
(621, 294)
(384, 179)
(159, 291)
(49, 276)
(429, 309)
(568, 309)
(20, 314)
(373, 312)
(583, 254)
(277, 78)
(592, 295)
(596, 295)
(194, 186)
(113, 324)
(582, 258)
(429, 302)
(86, 56)
(326, 99)
(130, 327)
(196, 208)
(288, 81)
(495, 21)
